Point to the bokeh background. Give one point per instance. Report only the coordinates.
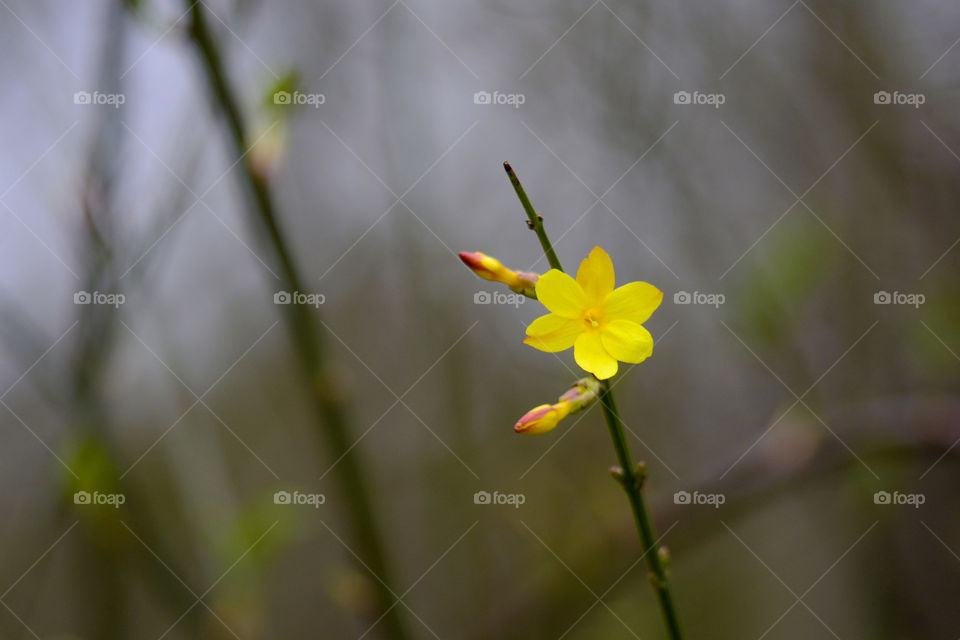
(799, 205)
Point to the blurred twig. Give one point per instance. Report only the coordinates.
(303, 330)
(107, 551)
(113, 550)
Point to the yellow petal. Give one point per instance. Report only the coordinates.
(635, 302)
(596, 275)
(589, 353)
(552, 333)
(561, 294)
(626, 341)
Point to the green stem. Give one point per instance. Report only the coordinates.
(632, 478)
(629, 475)
(303, 330)
(535, 220)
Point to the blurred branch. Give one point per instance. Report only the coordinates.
(113, 551)
(332, 421)
(104, 551)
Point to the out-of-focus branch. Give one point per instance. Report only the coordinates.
(75, 391)
(329, 405)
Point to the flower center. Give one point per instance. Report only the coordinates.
(592, 318)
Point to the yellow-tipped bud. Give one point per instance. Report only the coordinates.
(546, 417)
(542, 419)
(489, 268)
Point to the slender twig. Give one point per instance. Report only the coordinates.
(630, 476)
(535, 220)
(304, 332)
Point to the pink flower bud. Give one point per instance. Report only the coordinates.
(546, 417)
(489, 268)
(542, 419)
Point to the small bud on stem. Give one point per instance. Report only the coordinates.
(489, 268)
(664, 554)
(545, 417)
(640, 474)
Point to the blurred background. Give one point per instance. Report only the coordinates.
(186, 454)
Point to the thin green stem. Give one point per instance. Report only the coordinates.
(630, 476)
(535, 220)
(328, 403)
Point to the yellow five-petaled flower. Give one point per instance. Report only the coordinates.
(602, 324)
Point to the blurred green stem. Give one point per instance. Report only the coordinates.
(631, 476)
(304, 333)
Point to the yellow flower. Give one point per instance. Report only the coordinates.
(602, 324)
